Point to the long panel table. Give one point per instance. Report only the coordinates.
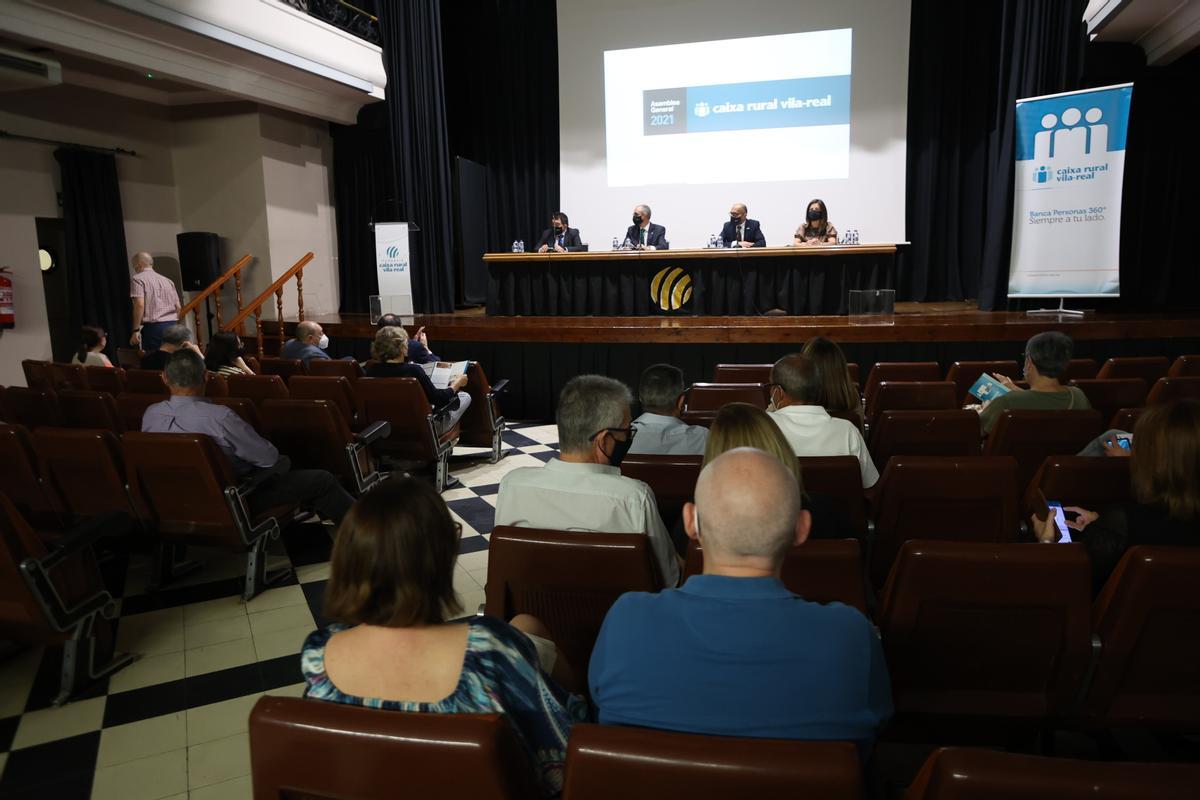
(736, 282)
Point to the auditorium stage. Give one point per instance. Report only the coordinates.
(539, 354)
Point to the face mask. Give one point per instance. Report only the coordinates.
(324, 343)
(813, 216)
(558, 228)
(637, 219)
(619, 450)
(734, 219)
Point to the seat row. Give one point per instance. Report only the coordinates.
(1007, 632)
(478, 756)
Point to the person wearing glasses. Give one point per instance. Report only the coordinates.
(1047, 356)
(661, 431)
(583, 489)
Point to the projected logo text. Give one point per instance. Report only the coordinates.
(791, 103)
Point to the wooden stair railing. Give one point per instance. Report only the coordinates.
(214, 291)
(276, 288)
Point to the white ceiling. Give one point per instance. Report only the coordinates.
(1164, 29)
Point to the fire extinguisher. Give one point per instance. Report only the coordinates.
(7, 315)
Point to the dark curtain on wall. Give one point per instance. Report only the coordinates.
(1162, 169)
(95, 236)
(416, 108)
(968, 65)
(504, 114)
(364, 191)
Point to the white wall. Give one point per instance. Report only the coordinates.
(30, 179)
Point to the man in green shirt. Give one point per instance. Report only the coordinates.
(1047, 356)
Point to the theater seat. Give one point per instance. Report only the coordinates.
(742, 373)
(418, 430)
(953, 432)
(1148, 620)
(671, 478)
(23, 477)
(105, 379)
(483, 423)
(184, 488)
(1030, 436)
(1079, 369)
(987, 630)
(244, 408)
(963, 374)
(911, 396)
(257, 388)
(334, 367)
(32, 408)
(974, 499)
(1126, 419)
(37, 375)
(314, 434)
(703, 400)
(68, 376)
(145, 381)
(334, 389)
(132, 407)
(129, 358)
(609, 761)
(961, 773)
(85, 409)
(820, 570)
(1185, 367)
(215, 385)
(55, 596)
(1084, 481)
(1111, 395)
(899, 371)
(568, 580)
(285, 368)
(1148, 368)
(1168, 389)
(85, 469)
(839, 480)
(373, 754)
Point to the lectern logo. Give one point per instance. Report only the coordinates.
(701, 109)
(393, 251)
(671, 289)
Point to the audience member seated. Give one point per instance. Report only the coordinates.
(1047, 356)
(744, 425)
(836, 392)
(660, 431)
(174, 339)
(91, 348)
(224, 355)
(1165, 472)
(732, 652)
(795, 392)
(418, 343)
(389, 351)
(310, 343)
(188, 412)
(583, 489)
(391, 594)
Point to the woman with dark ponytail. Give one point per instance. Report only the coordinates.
(91, 348)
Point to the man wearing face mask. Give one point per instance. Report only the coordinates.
(643, 234)
(310, 343)
(741, 231)
(583, 489)
(559, 237)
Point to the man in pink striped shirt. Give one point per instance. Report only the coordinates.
(155, 303)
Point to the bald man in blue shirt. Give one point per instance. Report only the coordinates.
(732, 652)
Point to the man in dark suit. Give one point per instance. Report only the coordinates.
(559, 237)
(740, 231)
(643, 235)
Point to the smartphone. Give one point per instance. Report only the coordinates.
(1124, 443)
(1060, 521)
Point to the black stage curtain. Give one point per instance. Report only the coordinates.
(364, 191)
(1162, 169)
(968, 65)
(504, 114)
(416, 107)
(95, 236)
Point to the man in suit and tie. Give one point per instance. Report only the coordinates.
(559, 237)
(644, 235)
(740, 231)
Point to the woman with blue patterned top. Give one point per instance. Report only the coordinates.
(391, 591)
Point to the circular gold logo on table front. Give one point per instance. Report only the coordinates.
(671, 289)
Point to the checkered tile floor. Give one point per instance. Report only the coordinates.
(173, 723)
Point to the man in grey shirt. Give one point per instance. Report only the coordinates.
(188, 412)
(660, 431)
